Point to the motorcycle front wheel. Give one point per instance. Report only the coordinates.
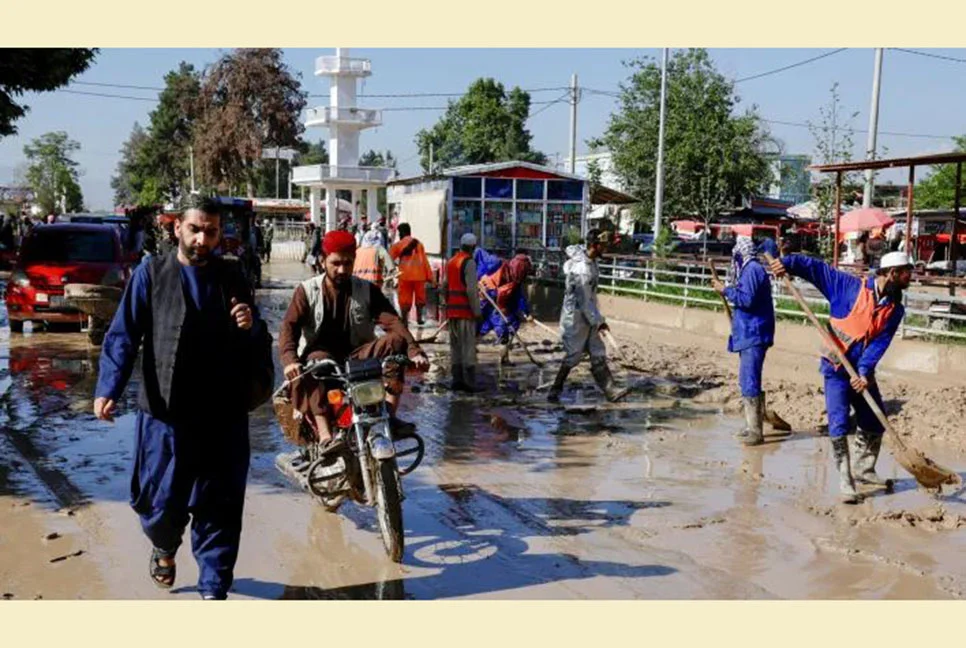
(389, 508)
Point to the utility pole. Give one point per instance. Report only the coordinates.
(430, 158)
(191, 163)
(290, 182)
(277, 194)
(873, 127)
(659, 188)
(573, 123)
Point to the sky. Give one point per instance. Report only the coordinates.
(920, 95)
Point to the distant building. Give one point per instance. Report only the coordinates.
(791, 179)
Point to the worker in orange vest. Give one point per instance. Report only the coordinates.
(373, 262)
(462, 312)
(414, 272)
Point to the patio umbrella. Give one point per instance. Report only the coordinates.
(867, 218)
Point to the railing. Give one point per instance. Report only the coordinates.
(321, 172)
(688, 283)
(326, 115)
(336, 64)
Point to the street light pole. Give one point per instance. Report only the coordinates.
(659, 188)
(873, 127)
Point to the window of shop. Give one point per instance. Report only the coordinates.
(529, 224)
(467, 187)
(530, 189)
(499, 188)
(571, 190)
(498, 227)
(466, 218)
(563, 224)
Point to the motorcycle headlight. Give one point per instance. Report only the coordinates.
(368, 393)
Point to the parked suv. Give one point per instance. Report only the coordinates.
(55, 255)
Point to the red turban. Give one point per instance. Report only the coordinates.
(339, 242)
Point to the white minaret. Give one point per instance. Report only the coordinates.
(345, 120)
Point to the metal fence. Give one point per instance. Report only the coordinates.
(931, 315)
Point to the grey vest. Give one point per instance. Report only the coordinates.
(362, 330)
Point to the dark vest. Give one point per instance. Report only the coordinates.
(162, 364)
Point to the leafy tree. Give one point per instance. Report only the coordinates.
(833, 135)
(52, 174)
(938, 190)
(487, 124)
(167, 155)
(249, 100)
(35, 70)
(375, 159)
(129, 179)
(713, 157)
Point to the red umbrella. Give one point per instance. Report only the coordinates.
(867, 218)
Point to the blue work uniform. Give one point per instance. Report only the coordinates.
(518, 309)
(842, 291)
(752, 325)
(192, 459)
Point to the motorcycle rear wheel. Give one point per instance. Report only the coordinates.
(389, 508)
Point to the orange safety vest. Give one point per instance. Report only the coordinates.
(368, 265)
(865, 321)
(413, 266)
(493, 280)
(457, 299)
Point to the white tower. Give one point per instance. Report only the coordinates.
(345, 120)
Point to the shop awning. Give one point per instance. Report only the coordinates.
(606, 196)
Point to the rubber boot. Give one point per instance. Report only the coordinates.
(420, 316)
(753, 434)
(840, 451)
(458, 383)
(867, 447)
(772, 418)
(469, 379)
(558, 384)
(605, 381)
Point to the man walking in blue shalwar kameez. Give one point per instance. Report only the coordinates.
(194, 313)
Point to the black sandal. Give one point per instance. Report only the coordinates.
(156, 569)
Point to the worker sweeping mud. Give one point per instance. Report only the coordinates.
(462, 313)
(333, 316)
(207, 362)
(373, 262)
(864, 316)
(581, 321)
(507, 308)
(752, 330)
(414, 273)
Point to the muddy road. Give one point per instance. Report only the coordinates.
(516, 499)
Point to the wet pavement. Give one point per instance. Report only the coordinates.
(515, 499)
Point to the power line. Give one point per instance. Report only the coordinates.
(562, 99)
(928, 54)
(793, 65)
(111, 96)
(860, 130)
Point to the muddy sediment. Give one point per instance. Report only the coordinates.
(517, 498)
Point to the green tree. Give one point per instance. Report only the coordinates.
(52, 173)
(35, 70)
(487, 124)
(129, 178)
(249, 100)
(938, 190)
(167, 154)
(834, 142)
(713, 157)
(375, 159)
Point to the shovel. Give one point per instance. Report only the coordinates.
(926, 472)
(432, 338)
(513, 333)
(771, 417)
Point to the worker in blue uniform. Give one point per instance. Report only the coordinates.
(865, 313)
(202, 336)
(752, 331)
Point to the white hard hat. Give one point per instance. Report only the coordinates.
(468, 240)
(895, 260)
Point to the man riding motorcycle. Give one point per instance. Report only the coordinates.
(333, 316)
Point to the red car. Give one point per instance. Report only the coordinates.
(58, 254)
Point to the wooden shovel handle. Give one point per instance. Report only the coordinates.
(833, 344)
(724, 300)
(513, 333)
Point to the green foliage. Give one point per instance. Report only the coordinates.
(487, 124)
(938, 190)
(52, 173)
(35, 70)
(713, 156)
(833, 135)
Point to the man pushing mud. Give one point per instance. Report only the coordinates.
(864, 314)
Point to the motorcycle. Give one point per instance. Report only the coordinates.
(362, 462)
